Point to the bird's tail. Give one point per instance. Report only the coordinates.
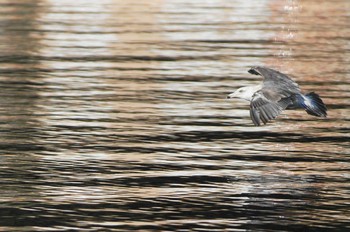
(314, 105)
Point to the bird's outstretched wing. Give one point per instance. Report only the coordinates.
(274, 79)
(267, 105)
(275, 95)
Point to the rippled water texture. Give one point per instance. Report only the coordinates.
(114, 116)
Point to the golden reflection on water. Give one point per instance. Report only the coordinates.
(117, 16)
(320, 24)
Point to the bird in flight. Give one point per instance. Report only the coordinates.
(276, 93)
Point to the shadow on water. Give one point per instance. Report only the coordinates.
(200, 136)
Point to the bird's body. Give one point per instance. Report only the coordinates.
(276, 93)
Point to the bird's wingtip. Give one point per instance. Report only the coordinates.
(253, 70)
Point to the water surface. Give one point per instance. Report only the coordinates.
(114, 117)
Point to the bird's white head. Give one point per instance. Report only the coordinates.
(245, 93)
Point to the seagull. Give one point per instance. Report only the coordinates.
(276, 93)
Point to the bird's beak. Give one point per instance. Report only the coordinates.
(231, 95)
